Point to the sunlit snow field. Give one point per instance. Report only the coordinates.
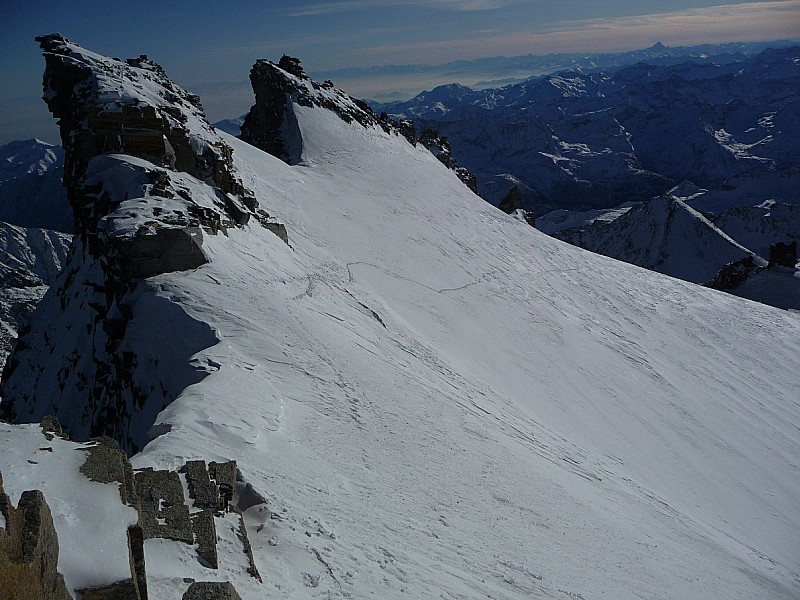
(439, 401)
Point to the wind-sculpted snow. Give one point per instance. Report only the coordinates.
(434, 398)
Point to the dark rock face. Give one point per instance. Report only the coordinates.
(511, 201)
(29, 550)
(440, 147)
(147, 178)
(269, 125)
(512, 204)
(783, 254)
(734, 274)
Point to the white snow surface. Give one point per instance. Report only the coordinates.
(439, 401)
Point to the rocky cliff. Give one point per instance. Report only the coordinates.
(272, 125)
(147, 178)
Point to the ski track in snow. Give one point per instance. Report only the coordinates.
(439, 401)
(525, 420)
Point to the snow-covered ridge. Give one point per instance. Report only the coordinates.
(436, 399)
(271, 124)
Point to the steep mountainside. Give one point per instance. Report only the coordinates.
(664, 235)
(424, 396)
(31, 194)
(595, 140)
(30, 260)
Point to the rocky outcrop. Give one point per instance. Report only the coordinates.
(148, 180)
(512, 204)
(439, 146)
(734, 274)
(783, 254)
(29, 545)
(271, 124)
(29, 550)
(211, 590)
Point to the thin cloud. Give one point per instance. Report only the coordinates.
(328, 8)
(752, 21)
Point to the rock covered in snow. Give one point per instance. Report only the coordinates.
(147, 177)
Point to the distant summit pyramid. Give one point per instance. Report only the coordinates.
(665, 235)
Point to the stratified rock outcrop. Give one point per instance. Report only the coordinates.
(147, 178)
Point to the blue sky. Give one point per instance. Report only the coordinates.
(208, 47)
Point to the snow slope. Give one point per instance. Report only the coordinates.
(439, 401)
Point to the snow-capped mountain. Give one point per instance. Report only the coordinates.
(35, 223)
(30, 260)
(668, 235)
(664, 235)
(581, 140)
(31, 194)
(424, 396)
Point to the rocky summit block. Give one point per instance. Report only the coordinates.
(148, 178)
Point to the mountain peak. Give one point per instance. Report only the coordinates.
(271, 124)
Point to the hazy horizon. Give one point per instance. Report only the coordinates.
(209, 49)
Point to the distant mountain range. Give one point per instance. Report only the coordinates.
(499, 71)
(580, 140)
(31, 194)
